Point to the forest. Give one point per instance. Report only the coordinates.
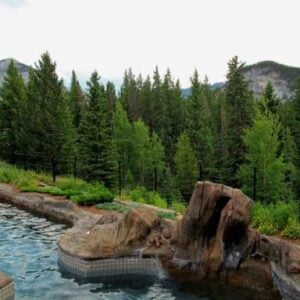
(148, 136)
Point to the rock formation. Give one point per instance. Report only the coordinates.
(212, 240)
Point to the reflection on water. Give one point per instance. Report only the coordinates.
(28, 252)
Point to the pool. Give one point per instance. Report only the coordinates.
(28, 252)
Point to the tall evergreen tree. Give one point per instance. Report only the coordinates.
(12, 101)
(129, 96)
(77, 100)
(199, 126)
(240, 110)
(97, 149)
(295, 127)
(111, 97)
(174, 115)
(123, 135)
(272, 101)
(47, 120)
(186, 166)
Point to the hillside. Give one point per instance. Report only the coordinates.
(281, 77)
(24, 69)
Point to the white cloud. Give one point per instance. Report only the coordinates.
(111, 35)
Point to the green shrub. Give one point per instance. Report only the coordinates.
(292, 229)
(179, 206)
(141, 195)
(166, 215)
(78, 190)
(279, 218)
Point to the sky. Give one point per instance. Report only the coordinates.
(112, 35)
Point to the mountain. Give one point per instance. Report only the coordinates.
(23, 69)
(258, 75)
(281, 76)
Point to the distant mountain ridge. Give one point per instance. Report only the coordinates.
(23, 69)
(281, 76)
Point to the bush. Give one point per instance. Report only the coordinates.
(78, 191)
(141, 195)
(292, 229)
(94, 194)
(179, 206)
(279, 218)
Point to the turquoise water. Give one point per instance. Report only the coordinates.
(28, 252)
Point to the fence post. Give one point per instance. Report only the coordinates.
(53, 162)
(254, 183)
(155, 179)
(120, 180)
(200, 172)
(75, 167)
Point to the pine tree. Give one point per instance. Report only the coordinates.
(186, 166)
(295, 127)
(174, 115)
(129, 96)
(47, 120)
(77, 100)
(262, 146)
(123, 135)
(219, 126)
(272, 101)
(97, 149)
(289, 155)
(142, 163)
(111, 97)
(240, 110)
(12, 101)
(199, 126)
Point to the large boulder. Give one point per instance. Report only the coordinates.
(213, 231)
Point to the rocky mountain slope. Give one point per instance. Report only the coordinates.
(24, 69)
(258, 75)
(281, 77)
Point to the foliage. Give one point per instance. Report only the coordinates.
(239, 113)
(13, 98)
(186, 166)
(199, 127)
(78, 191)
(178, 206)
(166, 215)
(77, 101)
(143, 196)
(46, 119)
(96, 148)
(279, 218)
(262, 146)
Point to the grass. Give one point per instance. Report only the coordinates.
(141, 195)
(112, 206)
(166, 215)
(279, 219)
(78, 191)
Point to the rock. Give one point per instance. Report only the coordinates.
(212, 240)
(4, 280)
(213, 230)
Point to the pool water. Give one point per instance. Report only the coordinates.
(28, 252)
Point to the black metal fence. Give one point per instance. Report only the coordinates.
(71, 166)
